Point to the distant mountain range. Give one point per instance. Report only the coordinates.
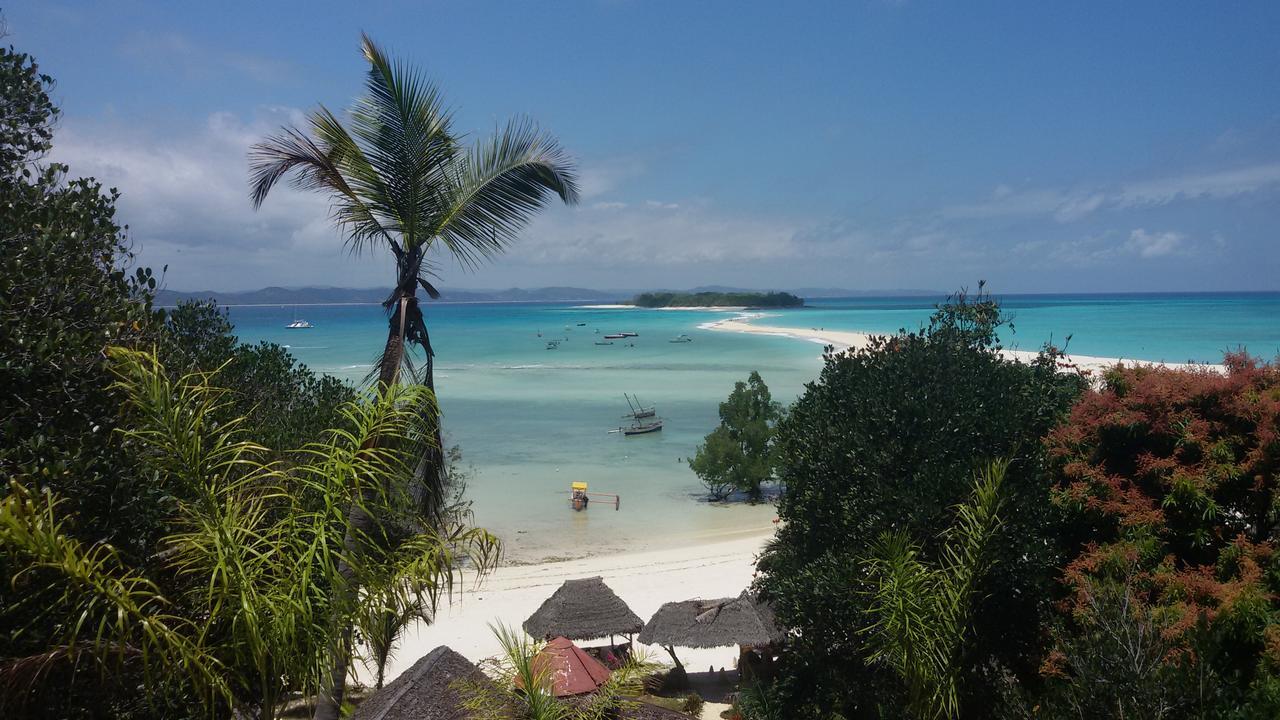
(336, 295)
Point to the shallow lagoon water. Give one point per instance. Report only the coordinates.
(531, 420)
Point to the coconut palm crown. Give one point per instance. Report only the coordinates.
(398, 176)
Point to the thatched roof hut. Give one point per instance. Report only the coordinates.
(427, 691)
(743, 620)
(583, 609)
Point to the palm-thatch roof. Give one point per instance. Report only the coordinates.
(582, 610)
(743, 620)
(427, 691)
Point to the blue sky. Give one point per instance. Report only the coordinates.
(1045, 147)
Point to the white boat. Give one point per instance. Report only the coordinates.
(299, 325)
(681, 339)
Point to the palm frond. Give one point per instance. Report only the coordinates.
(112, 613)
(499, 186)
(406, 131)
(920, 614)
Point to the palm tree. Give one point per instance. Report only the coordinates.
(399, 177)
(920, 614)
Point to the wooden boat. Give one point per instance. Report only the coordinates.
(643, 428)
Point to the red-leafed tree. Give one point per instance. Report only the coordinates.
(1169, 480)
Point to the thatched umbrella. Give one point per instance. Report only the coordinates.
(743, 620)
(583, 609)
(427, 691)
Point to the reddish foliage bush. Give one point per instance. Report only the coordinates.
(1169, 479)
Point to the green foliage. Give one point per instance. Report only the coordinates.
(920, 614)
(247, 579)
(284, 403)
(885, 440)
(65, 294)
(717, 299)
(27, 114)
(523, 686)
(739, 454)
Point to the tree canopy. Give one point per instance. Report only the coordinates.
(739, 454)
(886, 440)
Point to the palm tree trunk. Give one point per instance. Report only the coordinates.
(359, 525)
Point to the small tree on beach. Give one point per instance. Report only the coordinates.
(739, 453)
(400, 178)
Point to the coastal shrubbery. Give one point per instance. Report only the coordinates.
(887, 439)
(717, 299)
(1134, 572)
(169, 538)
(1168, 480)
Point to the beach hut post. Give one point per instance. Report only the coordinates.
(672, 652)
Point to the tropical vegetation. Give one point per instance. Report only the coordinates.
(739, 454)
(717, 299)
(886, 440)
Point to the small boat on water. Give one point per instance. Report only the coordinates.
(643, 428)
(604, 343)
(615, 336)
(553, 345)
(298, 323)
(681, 339)
(630, 334)
(582, 324)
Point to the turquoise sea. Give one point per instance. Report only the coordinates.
(531, 420)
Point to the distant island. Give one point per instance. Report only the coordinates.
(717, 299)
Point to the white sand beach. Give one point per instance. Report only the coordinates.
(644, 580)
(844, 340)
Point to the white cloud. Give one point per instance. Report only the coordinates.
(1152, 245)
(1071, 205)
(1112, 247)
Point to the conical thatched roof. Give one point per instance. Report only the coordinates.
(582, 610)
(426, 691)
(712, 623)
(571, 670)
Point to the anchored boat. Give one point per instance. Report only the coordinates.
(643, 428)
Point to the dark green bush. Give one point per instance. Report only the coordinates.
(888, 438)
